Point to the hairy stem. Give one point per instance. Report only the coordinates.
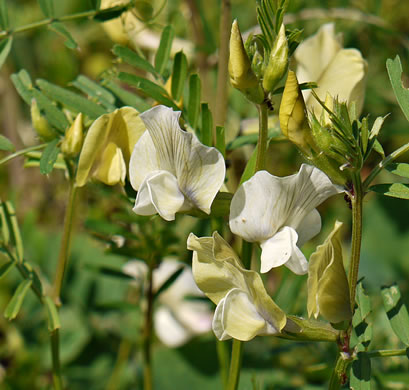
(65, 245)
(222, 72)
(356, 202)
(66, 18)
(55, 354)
(262, 137)
(235, 365)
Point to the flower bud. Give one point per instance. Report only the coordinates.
(242, 76)
(277, 63)
(40, 123)
(72, 143)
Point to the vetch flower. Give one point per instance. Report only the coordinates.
(337, 71)
(171, 170)
(280, 213)
(176, 319)
(328, 291)
(244, 309)
(108, 145)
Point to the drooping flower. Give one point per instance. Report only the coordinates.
(337, 71)
(328, 291)
(171, 170)
(177, 319)
(108, 145)
(244, 309)
(280, 214)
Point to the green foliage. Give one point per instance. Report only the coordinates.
(16, 301)
(395, 76)
(361, 372)
(179, 75)
(47, 6)
(4, 15)
(395, 190)
(6, 144)
(61, 30)
(5, 47)
(49, 157)
(207, 125)
(362, 327)
(54, 322)
(193, 106)
(163, 53)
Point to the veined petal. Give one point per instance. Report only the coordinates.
(297, 262)
(309, 227)
(169, 329)
(278, 249)
(200, 170)
(159, 193)
(239, 317)
(111, 168)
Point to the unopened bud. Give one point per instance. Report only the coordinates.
(242, 76)
(40, 123)
(277, 63)
(74, 137)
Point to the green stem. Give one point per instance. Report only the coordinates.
(65, 245)
(65, 18)
(388, 353)
(386, 161)
(222, 72)
(356, 202)
(123, 355)
(262, 137)
(55, 353)
(22, 152)
(223, 355)
(235, 365)
(338, 376)
(147, 333)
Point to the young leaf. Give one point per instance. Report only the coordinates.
(71, 99)
(94, 90)
(6, 144)
(179, 75)
(361, 372)
(395, 76)
(163, 53)
(16, 301)
(193, 106)
(13, 229)
(5, 268)
(126, 97)
(49, 157)
(53, 317)
(400, 169)
(61, 30)
(47, 6)
(397, 312)
(5, 47)
(4, 15)
(394, 190)
(207, 125)
(132, 58)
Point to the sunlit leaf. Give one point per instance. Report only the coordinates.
(6, 144)
(16, 301)
(397, 312)
(395, 190)
(179, 75)
(193, 106)
(400, 169)
(5, 47)
(132, 58)
(163, 53)
(126, 97)
(60, 29)
(395, 75)
(49, 157)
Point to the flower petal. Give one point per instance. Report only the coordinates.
(278, 249)
(200, 170)
(297, 262)
(169, 330)
(111, 169)
(159, 193)
(309, 227)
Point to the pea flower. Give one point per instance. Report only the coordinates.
(337, 71)
(328, 291)
(107, 147)
(280, 213)
(176, 319)
(171, 170)
(244, 309)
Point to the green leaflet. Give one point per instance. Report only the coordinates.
(207, 125)
(4, 16)
(400, 169)
(47, 6)
(49, 157)
(179, 75)
(193, 106)
(5, 47)
(6, 144)
(11, 230)
(395, 190)
(163, 53)
(395, 76)
(132, 58)
(53, 317)
(16, 301)
(397, 312)
(60, 29)
(362, 328)
(361, 372)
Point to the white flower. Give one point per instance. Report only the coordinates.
(280, 213)
(177, 319)
(337, 71)
(244, 308)
(171, 170)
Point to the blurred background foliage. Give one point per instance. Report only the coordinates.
(101, 326)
